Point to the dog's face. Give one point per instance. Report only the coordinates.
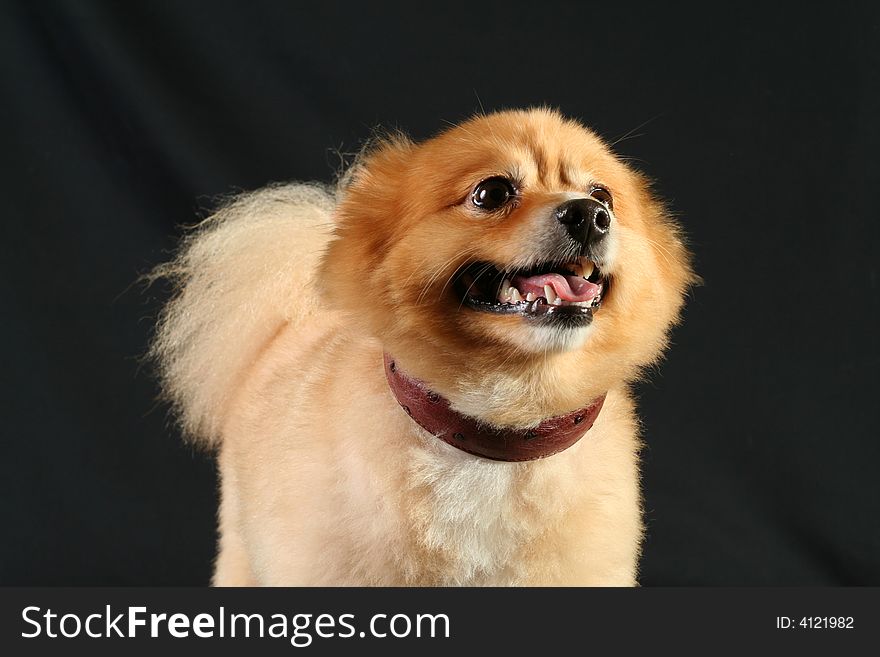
(514, 245)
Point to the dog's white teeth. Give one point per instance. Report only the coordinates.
(587, 267)
(508, 294)
(557, 301)
(530, 296)
(549, 294)
(504, 292)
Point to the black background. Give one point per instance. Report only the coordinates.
(122, 121)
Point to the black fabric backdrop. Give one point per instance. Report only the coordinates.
(123, 120)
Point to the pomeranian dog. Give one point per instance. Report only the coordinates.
(420, 377)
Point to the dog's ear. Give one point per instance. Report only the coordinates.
(366, 217)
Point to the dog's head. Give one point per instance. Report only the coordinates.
(512, 256)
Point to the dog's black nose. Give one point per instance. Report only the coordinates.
(587, 221)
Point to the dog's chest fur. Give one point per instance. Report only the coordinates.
(365, 496)
(465, 514)
(478, 522)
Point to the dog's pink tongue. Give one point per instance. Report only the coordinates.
(567, 288)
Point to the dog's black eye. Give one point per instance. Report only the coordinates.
(602, 195)
(492, 193)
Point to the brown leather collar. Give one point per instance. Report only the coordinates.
(432, 412)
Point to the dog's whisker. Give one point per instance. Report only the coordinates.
(629, 133)
(437, 271)
(452, 278)
(662, 250)
(434, 277)
(480, 103)
(628, 137)
(456, 275)
(485, 269)
(462, 255)
(416, 270)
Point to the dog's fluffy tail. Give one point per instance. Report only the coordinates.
(238, 277)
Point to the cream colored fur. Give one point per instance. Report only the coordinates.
(325, 480)
(238, 277)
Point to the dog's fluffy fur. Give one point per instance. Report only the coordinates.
(271, 352)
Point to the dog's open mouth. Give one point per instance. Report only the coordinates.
(570, 291)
